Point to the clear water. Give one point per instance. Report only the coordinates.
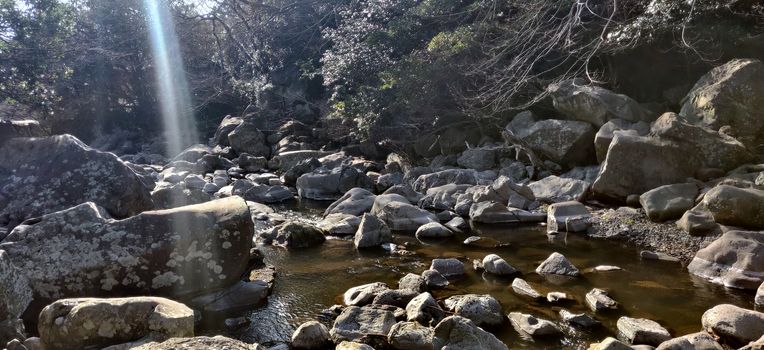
(313, 279)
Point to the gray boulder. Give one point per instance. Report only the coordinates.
(567, 217)
(736, 259)
(599, 300)
(734, 325)
(580, 320)
(227, 125)
(19, 128)
(456, 332)
(372, 232)
(669, 202)
(565, 142)
(595, 105)
(433, 230)
(694, 341)
(521, 287)
(450, 176)
(477, 158)
(412, 282)
(424, 309)
(557, 264)
(85, 252)
(494, 264)
(399, 214)
(553, 189)
(433, 279)
(324, 184)
(742, 207)
(642, 331)
(199, 343)
(698, 221)
(355, 323)
(295, 234)
(310, 335)
(364, 294)
(495, 213)
(356, 201)
(247, 138)
(47, 174)
(15, 296)
(607, 131)
(443, 197)
(410, 336)
(287, 160)
(532, 325)
(339, 224)
(242, 295)
(448, 267)
(484, 310)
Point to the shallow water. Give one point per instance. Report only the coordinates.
(314, 279)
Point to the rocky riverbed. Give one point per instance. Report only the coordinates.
(613, 226)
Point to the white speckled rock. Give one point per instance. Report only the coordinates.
(310, 335)
(15, 296)
(456, 332)
(483, 310)
(410, 336)
(199, 343)
(356, 322)
(642, 331)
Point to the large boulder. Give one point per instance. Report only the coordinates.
(642, 331)
(736, 259)
(399, 215)
(82, 251)
(734, 325)
(15, 296)
(19, 128)
(46, 174)
(606, 133)
(742, 207)
(286, 160)
(566, 142)
(443, 197)
(484, 310)
(729, 95)
(593, 104)
(356, 201)
(450, 176)
(356, 322)
(372, 232)
(669, 202)
(325, 184)
(199, 343)
(228, 124)
(295, 234)
(247, 138)
(456, 332)
(310, 335)
(553, 189)
(533, 326)
(97, 323)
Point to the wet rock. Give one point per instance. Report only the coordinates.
(356, 322)
(495, 213)
(448, 267)
(450, 176)
(424, 309)
(356, 201)
(456, 332)
(605, 134)
(241, 296)
(694, 341)
(520, 286)
(567, 216)
(557, 264)
(734, 260)
(45, 174)
(340, 224)
(324, 184)
(413, 282)
(395, 297)
(668, 202)
(533, 326)
(610, 344)
(598, 300)
(564, 142)
(433, 230)
(729, 95)
(364, 294)
(296, 234)
(483, 242)
(399, 214)
(484, 310)
(494, 264)
(734, 325)
(89, 322)
(150, 253)
(642, 331)
(433, 279)
(698, 221)
(199, 343)
(247, 138)
(650, 255)
(15, 296)
(581, 320)
(594, 104)
(347, 345)
(742, 207)
(410, 336)
(372, 232)
(553, 189)
(310, 335)
(556, 297)
(477, 158)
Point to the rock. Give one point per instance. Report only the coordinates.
(199, 343)
(247, 138)
(598, 300)
(736, 259)
(410, 336)
(605, 134)
(356, 201)
(242, 295)
(340, 224)
(252, 164)
(697, 221)
(406, 192)
(227, 125)
(694, 341)
(194, 182)
(433, 279)
(533, 326)
(496, 213)
(47, 174)
(451, 176)
(610, 344)
(734, 325)
(565, 142)
(553, 189)
(568, 217)
(448, 267)
(595, 105)
(520, 286)
(15, 296)
(433, 230)
(424, 309)
(90, 322)
(494, 264)
(557, 264)
(642, 331)
(443, 197)
(177, 196)
(364, 294)
(399, 214)
(310, 335)
(303, 167)
(412, 282)
(356, 322)
(651, 255)
(729, 95)
(484, 310)
(296, 234)
(19, 128)
(157, 252)
(458, 224)
(395, 297)
(324, 184)
(347, 345)
(372, 232)
(759, 299)
(668, 202)
(581, 320)
(742, 207)
(456, 332)
(477, 158)
(264, 193)
(286, 160)
(557, 297)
